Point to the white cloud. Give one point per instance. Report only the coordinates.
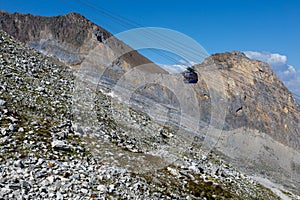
(173, 69)
(178, 68)
(273, 59)
(290, 70)
(287, 73)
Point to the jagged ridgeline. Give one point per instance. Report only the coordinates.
(44, 155)
(69, 38)
(259, 131)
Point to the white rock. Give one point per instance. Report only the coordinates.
(2, 102)
(78, 129)
(111, 188)
(84, 191)
(40, 89)
(19, 163)
(12, 119)
(85, 184)
(59, 144)
(3, 131)
(101, 188)
(174, 172)
(11, 127)
(194, 169)
(50, 179)
(59, 196)
(35, 123)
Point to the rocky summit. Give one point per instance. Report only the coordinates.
(69, 38)
(79, 120)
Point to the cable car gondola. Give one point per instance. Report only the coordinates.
(190, 76)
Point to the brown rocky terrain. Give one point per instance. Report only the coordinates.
(257, 99)
(46, 153)
(238, 105)
(262, 125)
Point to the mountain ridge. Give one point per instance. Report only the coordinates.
(45, 154)
(257, 106)
(69, 37)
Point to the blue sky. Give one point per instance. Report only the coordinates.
(248, 25)
(264, 26)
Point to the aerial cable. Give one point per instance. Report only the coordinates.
(159, 53)
(135, 24)
(152, 36)
(162, 54)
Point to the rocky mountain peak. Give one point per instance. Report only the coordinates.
(261, 123)
(257, 98)
(71, 28)
(70, 38)
(237, 59)
(76, 16)
(46, 154)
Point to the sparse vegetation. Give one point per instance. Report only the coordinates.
(45, 154)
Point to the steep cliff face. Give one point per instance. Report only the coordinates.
(71, 29)
(262, 125)
(62, 37)
(256, 98)
(69, 38)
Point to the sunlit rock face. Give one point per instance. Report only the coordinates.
(238, 105)
(69, 38)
